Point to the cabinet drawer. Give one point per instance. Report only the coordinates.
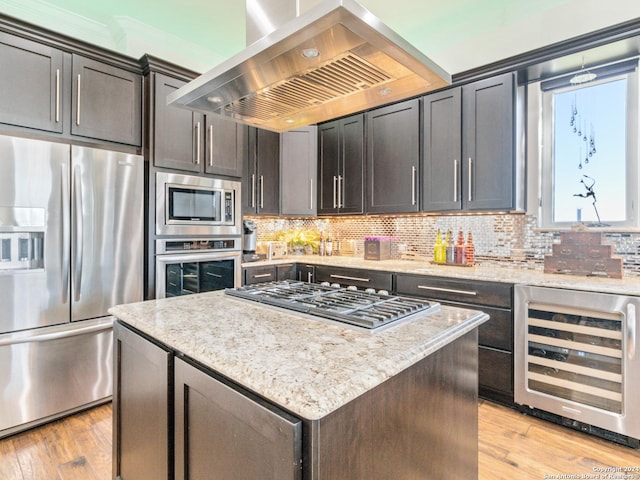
(465, 291)
(286, 272)
(352, 276)
(498, 331)
(495, 370)
(253, 275)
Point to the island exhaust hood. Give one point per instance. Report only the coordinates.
(334, 59)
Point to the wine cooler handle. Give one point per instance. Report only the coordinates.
(631, 330)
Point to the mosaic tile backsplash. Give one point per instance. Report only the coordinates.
(506, 239)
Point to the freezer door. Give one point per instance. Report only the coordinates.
(107, 231)
(34, 234)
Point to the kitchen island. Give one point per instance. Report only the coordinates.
(400, 402)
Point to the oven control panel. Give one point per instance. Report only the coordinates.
(180, 245)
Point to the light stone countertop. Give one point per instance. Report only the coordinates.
(625, 286)
(305, 365)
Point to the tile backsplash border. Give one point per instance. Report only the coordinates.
(509, 240)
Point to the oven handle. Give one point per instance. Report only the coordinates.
(631, 330)
(197, 257)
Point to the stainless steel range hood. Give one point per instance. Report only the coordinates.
(279, 83)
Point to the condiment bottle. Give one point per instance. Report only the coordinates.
(321, 246)
(450, 251)
(437, 248)
(328, 248)
(470, 249)
(459, 250)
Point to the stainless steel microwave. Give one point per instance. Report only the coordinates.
(192, 205)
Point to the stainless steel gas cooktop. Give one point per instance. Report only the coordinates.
(368, 310)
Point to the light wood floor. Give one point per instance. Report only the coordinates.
(511, 445)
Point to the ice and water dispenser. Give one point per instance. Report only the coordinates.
(21, 238)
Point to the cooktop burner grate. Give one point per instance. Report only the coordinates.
(369, 310)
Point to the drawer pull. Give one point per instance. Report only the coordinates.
(214, 275)
(262, 275)
(344, 277)
(449, 290)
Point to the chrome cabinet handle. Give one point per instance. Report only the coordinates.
(470, 178)
(455, 180)
(66, 235)
(631, 331)
(57, 95)
(78, 231)
(309, 277)
(78, 103)
(311, 194)
(197, 143)
(357, 279)
(253, 190)
(335, 204)
(211, 145)
(262, 275)
(449, 290)
(413, 185)
(340, 205)
(261, 191)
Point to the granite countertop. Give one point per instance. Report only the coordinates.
(306, 365)
(624, 286)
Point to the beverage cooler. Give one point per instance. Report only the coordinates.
(576, 360)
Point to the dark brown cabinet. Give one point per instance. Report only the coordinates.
(298, 171)
(495, 337)
(261, 178)
(468, 145)
(393, 158)
(31, 84)
(106, 102)
(141, 403)
(65, 93)
(354, 277)
(305, 272)
(222, 432)
(341, 166)
(258, 274)
(189, 141)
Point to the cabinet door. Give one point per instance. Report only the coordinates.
(268, 172)
(141, 405)
(298, 171)
(305, 272)
(352, 165)
(488, 144)
(442, 149)
(177, 132)
(224, 146)
(222, 433)
(393, 158)
(31, 78)
(286, 271)
(329, 153)
(106, 102)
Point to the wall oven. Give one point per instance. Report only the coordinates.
(187, 266)
(192, 205)
(576, 358)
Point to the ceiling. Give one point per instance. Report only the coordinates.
(199, 34)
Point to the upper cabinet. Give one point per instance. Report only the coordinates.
(189, 141)
(106, 102)
(341, 166)
(298, 171)
(261, 177)
(30, 84)
(393, 158)
(47, 89)
(468, 145)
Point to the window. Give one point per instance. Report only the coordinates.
(589, 149)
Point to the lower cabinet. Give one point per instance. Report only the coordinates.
(222, 433)
(347, 277)
(141, 400)
(495, 337)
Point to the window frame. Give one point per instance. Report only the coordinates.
(541, 115)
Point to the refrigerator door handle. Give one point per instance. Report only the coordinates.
(65, 231)
(77, 189)
(45, 337)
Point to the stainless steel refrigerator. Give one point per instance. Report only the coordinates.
(71, 246)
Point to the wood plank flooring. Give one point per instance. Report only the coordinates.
(511, 446)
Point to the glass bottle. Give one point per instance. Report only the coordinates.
(450, 252)
(437, 248)
(459, 250)
(470, 249)
(321, 246)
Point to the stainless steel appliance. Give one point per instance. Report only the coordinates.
(272, 250)
(186, 266)
(354, 307)
(197, 206)
(70, 247)
(576, 357)
(249, 236)
(333, 59)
